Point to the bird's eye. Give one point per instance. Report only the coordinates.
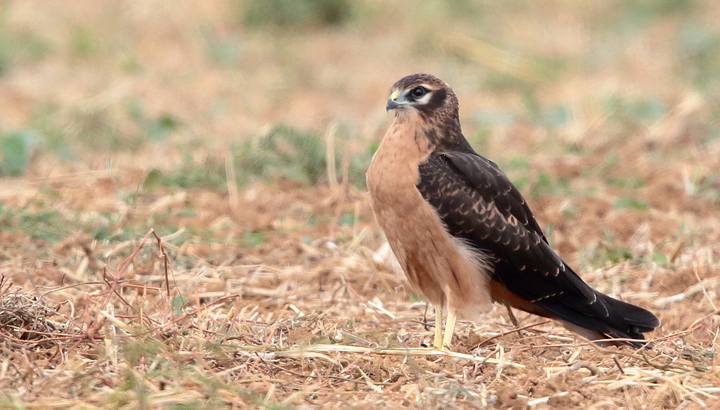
(418, 92)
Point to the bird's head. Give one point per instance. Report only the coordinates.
(429, 102)
(424, 95)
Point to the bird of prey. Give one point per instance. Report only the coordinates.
(463, 234)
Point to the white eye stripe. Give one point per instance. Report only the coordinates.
(424, 99)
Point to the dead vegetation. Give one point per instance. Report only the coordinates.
(145, 265)
(324, 323)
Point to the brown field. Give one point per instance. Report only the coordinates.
(184, 222)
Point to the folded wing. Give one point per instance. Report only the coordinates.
(479, 204)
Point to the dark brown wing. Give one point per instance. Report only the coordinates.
(478, 203)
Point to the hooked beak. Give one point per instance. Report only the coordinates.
(393, 102)
(391, 105)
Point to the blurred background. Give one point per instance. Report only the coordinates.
(170, 84)
(240, 131)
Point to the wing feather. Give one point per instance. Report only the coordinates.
(478, 203)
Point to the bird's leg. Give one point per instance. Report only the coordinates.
(438, 328)
(513, 319)
(449, 328)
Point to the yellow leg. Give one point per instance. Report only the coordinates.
(449, 328)
(438, 328)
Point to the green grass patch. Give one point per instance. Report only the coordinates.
(106, 227)
(660, 259)
(153, 128)
(634, 113)
(65, 131)
(19, 46)
(549, 117)
(606, 253)
(706, 186)
(570, 211)
(253, 239)
(629, 202)
(698, 51)
(174, 373)
(210, 174)
(15, 150)
(626, 183)
(546, 185)
(221, 49)
(83, 42)
(641, 13)
(283, 153)
(45, 120)
(297, 13)
(95, 128)
(47, 225)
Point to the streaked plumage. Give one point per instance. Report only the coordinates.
(462, 232)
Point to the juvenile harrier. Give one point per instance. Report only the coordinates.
(462, 232)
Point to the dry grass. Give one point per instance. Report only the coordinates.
(145, 266)
(323, 324)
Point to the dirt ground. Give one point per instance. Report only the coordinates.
(184, 222)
